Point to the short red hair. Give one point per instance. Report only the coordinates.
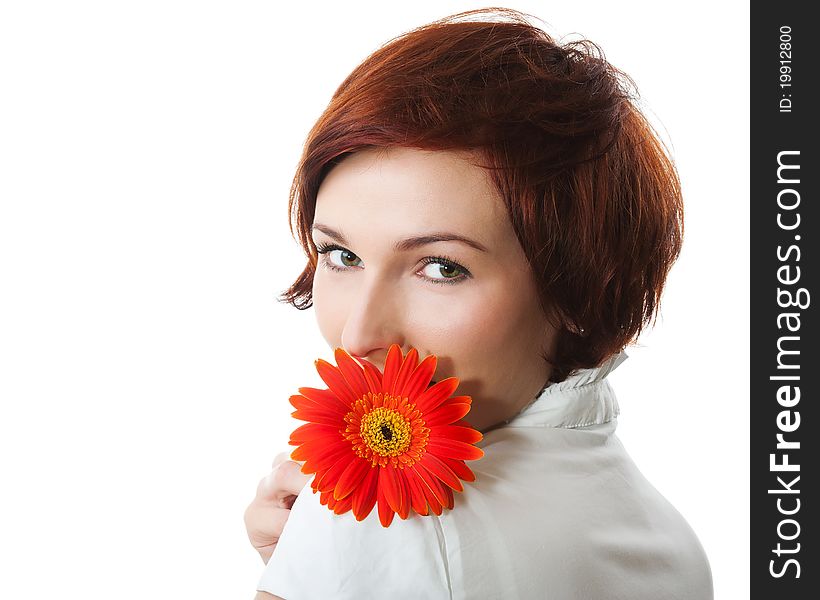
(592, 196)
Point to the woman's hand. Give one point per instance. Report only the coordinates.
(266, 515)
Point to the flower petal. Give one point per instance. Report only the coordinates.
(298, 401)
(313, 449)
(372, 375)
(433, 396)
(432, 499)
(385, 512)
(343, 505)
(432, 484)
(430, 462)
(317, 415)
(468, 435)
(420, 378)
(352, 372)
(459, 468)
(417, 496)
(352, 476)
(318, 459)
(335, 381)
(454, 449)
(326, 479)
(446, 414)
(392, 364)
(450, 501)
(333, 404)
(405, 494)
(315, 431)
(389, 483)
(365, 495)
(325, 398)
(411, 361)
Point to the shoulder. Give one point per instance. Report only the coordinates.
(569, 510)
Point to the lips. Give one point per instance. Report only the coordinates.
(361, 359)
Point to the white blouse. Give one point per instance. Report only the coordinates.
(558, 510)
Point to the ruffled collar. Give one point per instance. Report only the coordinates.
(582, 399)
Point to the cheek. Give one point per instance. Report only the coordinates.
(489, 314)
(472, 331)
(446, 319)
(498, 341)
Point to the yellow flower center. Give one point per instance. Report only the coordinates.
(385, 431)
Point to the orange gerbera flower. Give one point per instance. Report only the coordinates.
(384, 437)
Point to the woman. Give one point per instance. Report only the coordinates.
(479, 192)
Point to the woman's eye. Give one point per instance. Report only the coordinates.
(337, 258)
(437, 270)
(345, 257)
(342, 258)
(443, 272)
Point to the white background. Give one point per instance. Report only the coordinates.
(146, 152)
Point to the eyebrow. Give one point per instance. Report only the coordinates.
(409, 243)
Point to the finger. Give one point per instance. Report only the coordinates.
(287, 502)
(280, 458)
(289, 479)
(264, 524)
(284, 480)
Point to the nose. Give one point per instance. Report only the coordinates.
(374, 322)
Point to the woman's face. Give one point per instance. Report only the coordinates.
(392, 271)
